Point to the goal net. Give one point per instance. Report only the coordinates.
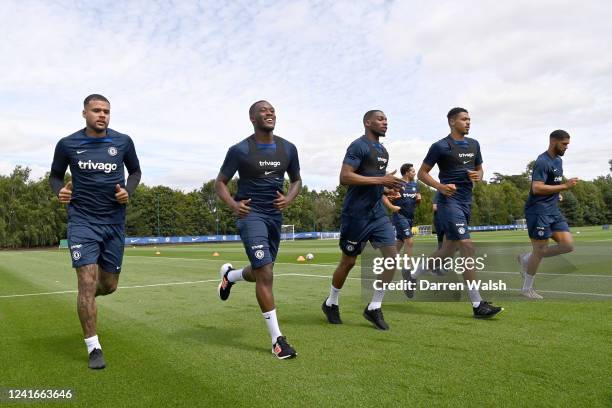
(288, 232)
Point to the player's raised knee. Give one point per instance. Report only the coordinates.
(111, 288)
(264, 274)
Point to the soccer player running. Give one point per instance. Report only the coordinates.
(544, 220)
(96, 198)
(460, 163)
(403, 214)
(261, 161)
(363, 216)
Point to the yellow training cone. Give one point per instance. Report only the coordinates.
(157, 253)
(215, 254)
(300, 258)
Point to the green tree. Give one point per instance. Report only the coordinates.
(570, 209)
(324, 210)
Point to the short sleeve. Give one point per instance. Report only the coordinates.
(230, 164)
(293, 168)
(478, 158)
(354, 155)
(540, 171)
(433, 155)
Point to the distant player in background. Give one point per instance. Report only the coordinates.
(96, 199)
(261, 161)
(403, 209)
(460, 163)
(363, 216)
(544, 220)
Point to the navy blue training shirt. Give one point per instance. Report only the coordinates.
(550, 171)
(407, 200)
(454, 158)
(97, 166)
(368, 159)
(261, 170)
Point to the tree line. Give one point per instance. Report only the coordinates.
(31, 215)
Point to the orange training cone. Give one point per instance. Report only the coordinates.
(301, 259)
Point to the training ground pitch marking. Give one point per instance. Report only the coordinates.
(120, 287)
(328, 265)
(305, 275)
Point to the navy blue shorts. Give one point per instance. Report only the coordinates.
(454, 221)
(260, 234)
(356, 232)
(403, 226)
(97, 244)
(542, 226)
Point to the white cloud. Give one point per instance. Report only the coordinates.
(182, 75)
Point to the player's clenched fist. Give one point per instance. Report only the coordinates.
(241, 208)
(571, 182)
(65, 194)
(447, 189)
(121, 195)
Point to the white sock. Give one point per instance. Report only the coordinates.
(376, 302)
(272, 323)
(474, 297)
(528, 283)
(333, 296)
(235, 275)
(92, 343)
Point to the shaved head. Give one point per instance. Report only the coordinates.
(369, 114)
(255, 105)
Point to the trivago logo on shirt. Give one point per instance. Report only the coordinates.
(263, 163)
(466, 155)
(89, 165)
(409, 195)
(558, 179)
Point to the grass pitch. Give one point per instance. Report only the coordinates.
(168, 339)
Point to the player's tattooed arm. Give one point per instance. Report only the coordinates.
(240, 208)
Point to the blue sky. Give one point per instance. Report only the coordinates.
(181, 75)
